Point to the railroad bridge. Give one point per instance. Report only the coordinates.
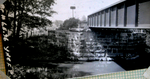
(121, 27)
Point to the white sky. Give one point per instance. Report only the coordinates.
(83, 8)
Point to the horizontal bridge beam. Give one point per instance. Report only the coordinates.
(126, 14)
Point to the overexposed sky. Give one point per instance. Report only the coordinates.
(83, 8)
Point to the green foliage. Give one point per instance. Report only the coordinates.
(37, 48)
(58, 23)
(27, 13)
(27, 72)
(70, 23)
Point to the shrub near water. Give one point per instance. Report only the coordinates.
(38, 48)
(27, 72)
(34, 50)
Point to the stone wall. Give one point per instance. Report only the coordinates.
(74, 42)
(115, 41)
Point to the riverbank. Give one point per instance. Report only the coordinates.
(43, 69)
(65, 70)
(27, 72)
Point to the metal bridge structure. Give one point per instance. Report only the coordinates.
(122, 27)
(124, 14)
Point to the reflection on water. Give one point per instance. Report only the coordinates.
(97, 67)
(66, 70)
(104, 63)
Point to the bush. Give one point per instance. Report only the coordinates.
(37, 48)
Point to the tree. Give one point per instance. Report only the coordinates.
(83, 19)
(25, 13)
(70, 23)
(58, 23)
(28, 13)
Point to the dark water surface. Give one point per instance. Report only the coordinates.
(66, 70)
(93, 68)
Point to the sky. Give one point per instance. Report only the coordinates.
(83, 8)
